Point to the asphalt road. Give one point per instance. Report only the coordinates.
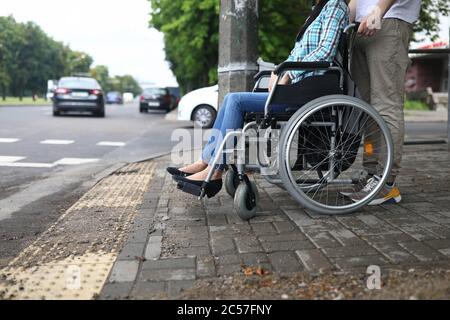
(47, 163)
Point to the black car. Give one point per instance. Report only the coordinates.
(114, 97)
(78, 94)
(157, 99)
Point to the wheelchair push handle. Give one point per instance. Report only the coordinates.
(307, 66)
(263, 74)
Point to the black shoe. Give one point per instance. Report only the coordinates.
(177, 173)
(196, 187)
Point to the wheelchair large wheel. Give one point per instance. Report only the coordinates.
(341, 142)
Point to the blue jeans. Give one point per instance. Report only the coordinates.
(230, 118)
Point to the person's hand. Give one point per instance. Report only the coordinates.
(369, 25)
(274, 78)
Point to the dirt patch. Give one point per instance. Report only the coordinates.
(410, 285)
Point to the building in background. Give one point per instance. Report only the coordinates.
(428, 70)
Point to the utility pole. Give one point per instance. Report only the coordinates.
(238, 46)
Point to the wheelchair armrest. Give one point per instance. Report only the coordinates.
(263, 74)
(307, 66)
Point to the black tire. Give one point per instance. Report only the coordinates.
(100, 114)
(244, 209)
(231, 182)
(56, 113)
(204, 116)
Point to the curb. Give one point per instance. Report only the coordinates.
(172, 115)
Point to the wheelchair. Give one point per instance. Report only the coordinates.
(320, 148)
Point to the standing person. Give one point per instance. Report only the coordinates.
(379, 64)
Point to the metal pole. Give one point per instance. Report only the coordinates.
(448, 101)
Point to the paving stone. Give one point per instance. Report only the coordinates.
(387, 238)
(395, 253)
(347, 263)
(153, 249)
(422, 251)
(445, 252)
(147, 290)
(314, 260)
(228, 269)
(248, 244)
(228, 259)
(170, 263)
(346, 237)
(273, 217)
(252, 259)
(175, 288)
(439, 244)
(364, 250)
(284, 262)
(217, 219)
(206, 267)
(263, 228)
(132, 250)
(322, 239)
(167, 274)
(116, 291)
(287, 245)
(222, 246)
(293, 236)
(124, 271)
(284, 226)
(193, 251)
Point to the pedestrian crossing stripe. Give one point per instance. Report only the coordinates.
(57, 142)
(111, 144)
(8, 140)
(14, 162)
(75, 161)
(6, 159)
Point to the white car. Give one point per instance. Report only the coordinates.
(200, 106)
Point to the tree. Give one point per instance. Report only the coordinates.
(126, 83)
(101, 74)
(78, 62)
(429, 17)
(29, 57)
(191, 33)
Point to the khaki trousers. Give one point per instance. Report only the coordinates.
(379, 64)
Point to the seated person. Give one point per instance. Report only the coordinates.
(317, 40)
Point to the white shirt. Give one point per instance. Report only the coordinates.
(406, 10)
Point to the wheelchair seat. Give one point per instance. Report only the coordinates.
(296, 95)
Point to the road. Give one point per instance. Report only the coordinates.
(47, 163)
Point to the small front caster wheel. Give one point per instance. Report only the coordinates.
(244, 204)
(231, 182)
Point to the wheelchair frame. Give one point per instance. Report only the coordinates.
(239, 169)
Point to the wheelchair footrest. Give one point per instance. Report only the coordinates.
(189, 188)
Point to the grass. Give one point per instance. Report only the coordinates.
(26, 101)
(413, 105)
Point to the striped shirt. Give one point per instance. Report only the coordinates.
(321, 39)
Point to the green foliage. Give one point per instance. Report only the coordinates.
(29, 57)
(429, 17)
(101, 74)
(416, 105)
(126, 83)
(191, 32)
(121, 84)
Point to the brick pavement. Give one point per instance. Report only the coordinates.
(177, 240)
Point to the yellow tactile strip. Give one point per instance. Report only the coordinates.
(72, 259)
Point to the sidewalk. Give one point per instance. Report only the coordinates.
(179, 247)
